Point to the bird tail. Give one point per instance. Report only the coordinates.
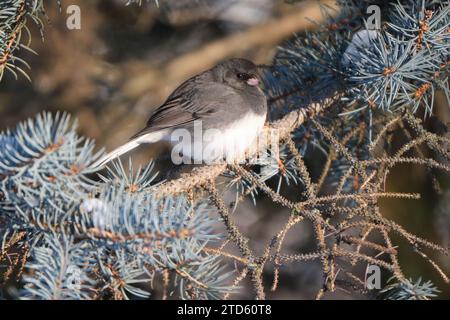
(132, 144)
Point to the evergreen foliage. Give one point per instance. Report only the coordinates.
(341, 89)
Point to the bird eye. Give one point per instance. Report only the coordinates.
(243, 76)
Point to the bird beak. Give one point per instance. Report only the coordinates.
(253, 81)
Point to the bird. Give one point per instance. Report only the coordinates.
(213, 116)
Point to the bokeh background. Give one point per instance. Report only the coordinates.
(126, 59)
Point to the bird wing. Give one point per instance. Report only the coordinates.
(186, 104)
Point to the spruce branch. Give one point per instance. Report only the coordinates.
(355, 95)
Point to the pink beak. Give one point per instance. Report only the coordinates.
(253, 82)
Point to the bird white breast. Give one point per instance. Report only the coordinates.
(217, 145)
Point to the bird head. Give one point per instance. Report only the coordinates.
(238, 73)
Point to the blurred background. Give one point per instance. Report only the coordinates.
(126, 59)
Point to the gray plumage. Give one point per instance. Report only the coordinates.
(219, 97)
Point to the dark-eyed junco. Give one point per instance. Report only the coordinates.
(213, 116)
